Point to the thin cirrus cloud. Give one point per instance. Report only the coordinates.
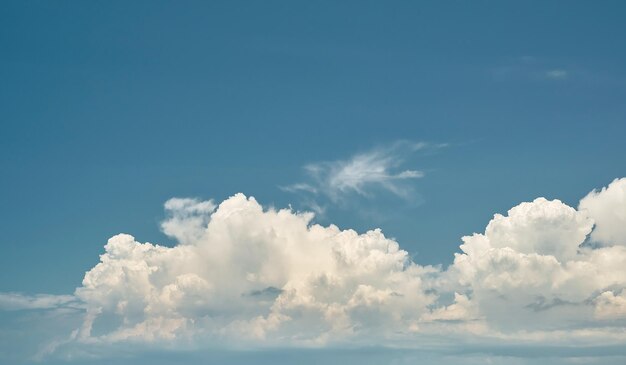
(363, 174)
(243, 275)
(556, 74)
(531, 68)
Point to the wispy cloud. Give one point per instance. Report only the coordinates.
(556, 74)
(531, 68)
(18, 301)
(364, 173)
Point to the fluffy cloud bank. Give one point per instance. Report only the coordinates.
(242, 274)
(530, 269)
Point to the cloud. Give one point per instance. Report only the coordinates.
(187, 218)
(610, 305)
(531, 271)
(251, 273)
(245, 276)
(542, 226)
(19, 301)
(363, 174)
(556, 74)
(607, 208)
(532, 68)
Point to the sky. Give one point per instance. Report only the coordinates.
(305, 174)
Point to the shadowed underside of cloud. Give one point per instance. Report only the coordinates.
(241, 276)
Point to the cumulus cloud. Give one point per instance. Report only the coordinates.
(244, 275)
(607, 208)
(364, 173)
(187, 218)
(530, 269)
(610, 305)
(248, 273)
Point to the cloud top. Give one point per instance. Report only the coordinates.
(607, 208)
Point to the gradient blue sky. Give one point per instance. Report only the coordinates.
(108, 109)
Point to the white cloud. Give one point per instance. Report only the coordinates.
(607, 208)
(543, 227)
(187, 218)
(364, 173)
(611, 306)
(462, 309)
(248, 273)
(529, 271)
(242, 275)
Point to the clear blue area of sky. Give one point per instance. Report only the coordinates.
(107, 109)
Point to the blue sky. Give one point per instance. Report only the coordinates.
(107, 110)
